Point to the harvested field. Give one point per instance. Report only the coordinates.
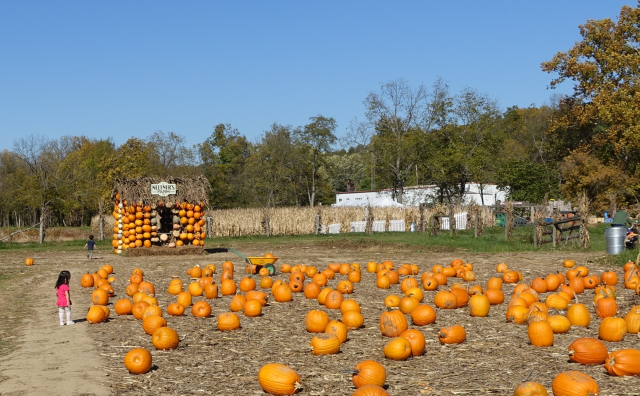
(493, 360)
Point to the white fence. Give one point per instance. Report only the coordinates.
(358, 226)
(396, 225)
(461, 221)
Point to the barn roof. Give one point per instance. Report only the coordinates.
(189, 189)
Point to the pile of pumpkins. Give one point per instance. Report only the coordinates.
(524, 307)
(138, 225)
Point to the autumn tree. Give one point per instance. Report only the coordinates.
(605, 69)
(44, 180)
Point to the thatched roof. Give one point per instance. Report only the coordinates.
(193, 189)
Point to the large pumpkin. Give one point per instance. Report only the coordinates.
(574, 383)
(623, 362)
(588, 351)
(278, 379)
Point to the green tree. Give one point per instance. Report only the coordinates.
(391, 134)
(277, 169)
(224, 155)
(605, 69)
(316, 139)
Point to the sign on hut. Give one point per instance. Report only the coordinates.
(159, 214)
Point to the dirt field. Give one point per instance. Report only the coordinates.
(493, 360)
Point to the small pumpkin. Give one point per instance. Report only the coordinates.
(228, 321)
(237, 303)
(540, 333)
(325, 344)
(123, 306)
(479, 305)
(633, 320)
(530, 389)
(606, 307)
(201, 309)
(423, 315)
(392, 323)
(579, 315)
(398, 348)
(175, 309)
(369, 372)
(316, 321)
(333, 300)
(252, 308)
(339, 329)
(138, 361)
(452, 335)
(138, 309)
(445, 300)
(612, 329)
(559, 324)
(153, 322)
(165, 338)
(95, 314)
(353, 319)
(417, 341)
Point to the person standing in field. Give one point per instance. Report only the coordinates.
(91, 244)
(64, 298)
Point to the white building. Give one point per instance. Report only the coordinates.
(413, 196)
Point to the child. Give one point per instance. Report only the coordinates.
(64, 299)
(91, 244)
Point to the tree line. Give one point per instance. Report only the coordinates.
(410, 135)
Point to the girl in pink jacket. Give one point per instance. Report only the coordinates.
(64, 298)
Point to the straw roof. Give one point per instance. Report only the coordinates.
(189, 189)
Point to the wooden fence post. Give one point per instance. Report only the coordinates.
(535, 231)
(475, 223)
(209, 227)
(317, 224)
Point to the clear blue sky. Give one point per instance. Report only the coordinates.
(120, 69)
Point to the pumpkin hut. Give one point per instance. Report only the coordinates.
(159, 214)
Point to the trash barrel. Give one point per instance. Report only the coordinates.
(414, 226)
(614, 238)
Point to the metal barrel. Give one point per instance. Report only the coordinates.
(614, 238)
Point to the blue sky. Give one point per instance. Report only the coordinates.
(120, 69)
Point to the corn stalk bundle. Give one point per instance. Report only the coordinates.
(583, 212)
(508, 223)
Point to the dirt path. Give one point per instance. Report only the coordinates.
(54, 359)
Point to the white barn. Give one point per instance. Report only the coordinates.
(413, 196)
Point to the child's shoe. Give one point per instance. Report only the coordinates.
(70, 323)
(61, 323)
